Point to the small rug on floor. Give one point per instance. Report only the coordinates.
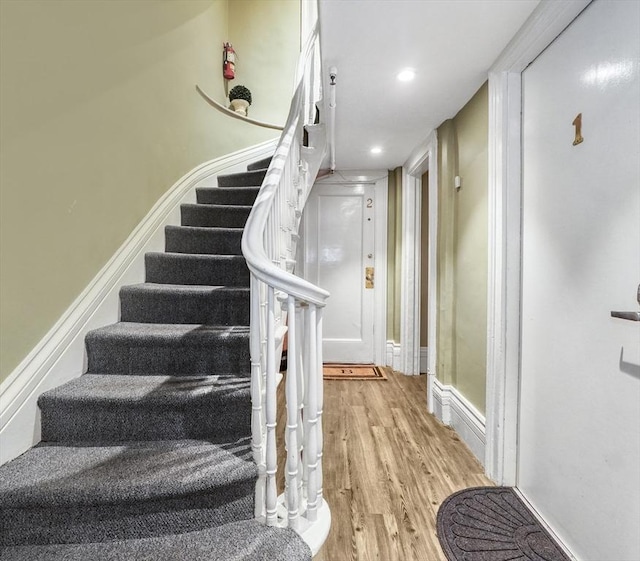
(353, 372)
(493, 524)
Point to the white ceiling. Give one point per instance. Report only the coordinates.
(450, 43)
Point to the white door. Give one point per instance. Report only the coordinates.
(579, 426)
(339, 246)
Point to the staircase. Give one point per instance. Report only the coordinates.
(149, 455)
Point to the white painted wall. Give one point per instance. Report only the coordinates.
(579, 429)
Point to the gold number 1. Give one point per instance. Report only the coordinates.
(577, 122)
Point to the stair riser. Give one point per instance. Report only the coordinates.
(244, 179)
(175, 358)
(214, 216)
(130, 521)
(103, 422)
(202, 240)
(173, 269)
(217, 196)
(216, 308)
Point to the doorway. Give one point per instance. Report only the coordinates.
(344, 251)
(579, 447)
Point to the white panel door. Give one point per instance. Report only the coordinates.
(339, 246)
(579, 426)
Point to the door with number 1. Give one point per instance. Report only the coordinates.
(339, 247)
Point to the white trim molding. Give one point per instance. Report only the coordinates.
(454, 410)
(393, 355)
(423, 158)
(60, 355)
(546, 22)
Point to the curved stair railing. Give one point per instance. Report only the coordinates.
(284, 303)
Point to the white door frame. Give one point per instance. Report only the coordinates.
(379, 179)
(547, 21)
(423, 158)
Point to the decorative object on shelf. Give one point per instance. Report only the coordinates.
(240, 98)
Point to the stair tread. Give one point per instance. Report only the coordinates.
(245, 540)
(216, 206)
(195, 256)
(252, 178)
(59, 475)
(185, 288)
(167, 332)
(121, 389)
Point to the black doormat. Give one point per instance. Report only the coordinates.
(493, 524)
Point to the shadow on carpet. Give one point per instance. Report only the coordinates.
(493, 524)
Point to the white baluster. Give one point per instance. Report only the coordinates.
(271, 453)
(311, 412)
(320, 386)
(299, 326)
(293, 456)
(257, 432)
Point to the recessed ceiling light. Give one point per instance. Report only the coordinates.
(407, 75)
(376, 150)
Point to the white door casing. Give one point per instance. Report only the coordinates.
(344, 234)
(423, 159)
(505, 172)
(579, 424)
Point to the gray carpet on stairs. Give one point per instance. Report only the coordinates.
(148, 455)
(238, 541)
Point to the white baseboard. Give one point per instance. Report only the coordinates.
(394, 355)
(60, 355)
(454, 410)
(424, 360)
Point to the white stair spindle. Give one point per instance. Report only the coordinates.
(320, 386)
(271, 453)
(293, 457)
(257, 433)
(311, 411)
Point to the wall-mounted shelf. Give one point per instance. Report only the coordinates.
(235, 115)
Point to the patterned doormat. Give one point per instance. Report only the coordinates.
(353, 372)
(493, 524)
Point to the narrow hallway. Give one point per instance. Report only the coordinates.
(388, 465)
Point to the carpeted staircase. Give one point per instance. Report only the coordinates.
(148, 455)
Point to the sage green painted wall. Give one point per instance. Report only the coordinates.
(394, 254)
(462, 250)
(267, 51)
(98, 118)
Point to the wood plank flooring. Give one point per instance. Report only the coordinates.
(388, 465)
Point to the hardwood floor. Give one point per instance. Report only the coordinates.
(388, 465)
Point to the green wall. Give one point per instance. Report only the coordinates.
(259, 31)
(394, 254)
(98, 118)
(462, 250)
